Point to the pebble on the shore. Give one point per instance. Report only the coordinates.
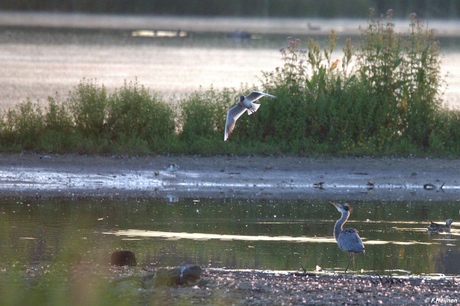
(123, 258)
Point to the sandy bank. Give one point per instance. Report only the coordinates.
(240, 177)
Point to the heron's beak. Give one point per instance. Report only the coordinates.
(335, 204)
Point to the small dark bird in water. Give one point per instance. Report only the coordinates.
(439, 228)
(347, 239)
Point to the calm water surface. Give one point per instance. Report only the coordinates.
(38, 62)
(237, 234)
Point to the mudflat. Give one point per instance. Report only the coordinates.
(231, 176)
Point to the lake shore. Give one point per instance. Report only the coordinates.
(255, 287)
(272, 288)
(341, 179)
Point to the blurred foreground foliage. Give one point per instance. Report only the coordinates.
(382, 98)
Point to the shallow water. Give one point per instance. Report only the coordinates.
(37, 62)
(274, 235)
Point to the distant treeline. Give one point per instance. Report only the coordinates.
(249, 8)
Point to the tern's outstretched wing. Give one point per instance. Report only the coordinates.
(256, 95)
(232, 115)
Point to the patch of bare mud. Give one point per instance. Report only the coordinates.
(230, 287)
(237, 177)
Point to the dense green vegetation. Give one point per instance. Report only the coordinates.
(384, 98)
(381, 98)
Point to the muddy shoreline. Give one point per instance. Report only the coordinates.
(236, 177)
(255, 287)
(33, 175)
(272, 288)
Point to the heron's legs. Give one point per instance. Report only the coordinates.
(349, 260)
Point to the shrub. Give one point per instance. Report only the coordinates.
(444, 137)
(135, 118)
(403, 70)
(22, 127)
(87, 106)
(58, 134)
(385, 90)
(203, 114)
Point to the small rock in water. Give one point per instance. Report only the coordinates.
(182, 275)
(123, 258)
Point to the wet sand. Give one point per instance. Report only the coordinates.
(237, 177)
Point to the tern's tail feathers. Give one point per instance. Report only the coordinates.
(254, 107)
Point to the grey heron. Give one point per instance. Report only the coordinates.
(347, 239)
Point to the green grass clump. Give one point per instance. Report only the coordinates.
(21, 127)
(202, 118)
(138, 122)
(88, 108)
(129, 121)
(382, 97)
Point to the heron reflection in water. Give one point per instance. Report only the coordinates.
(347, 239)
(438, 228)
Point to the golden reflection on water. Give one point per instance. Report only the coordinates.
(206, 236)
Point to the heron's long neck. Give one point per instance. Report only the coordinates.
(339, 224)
